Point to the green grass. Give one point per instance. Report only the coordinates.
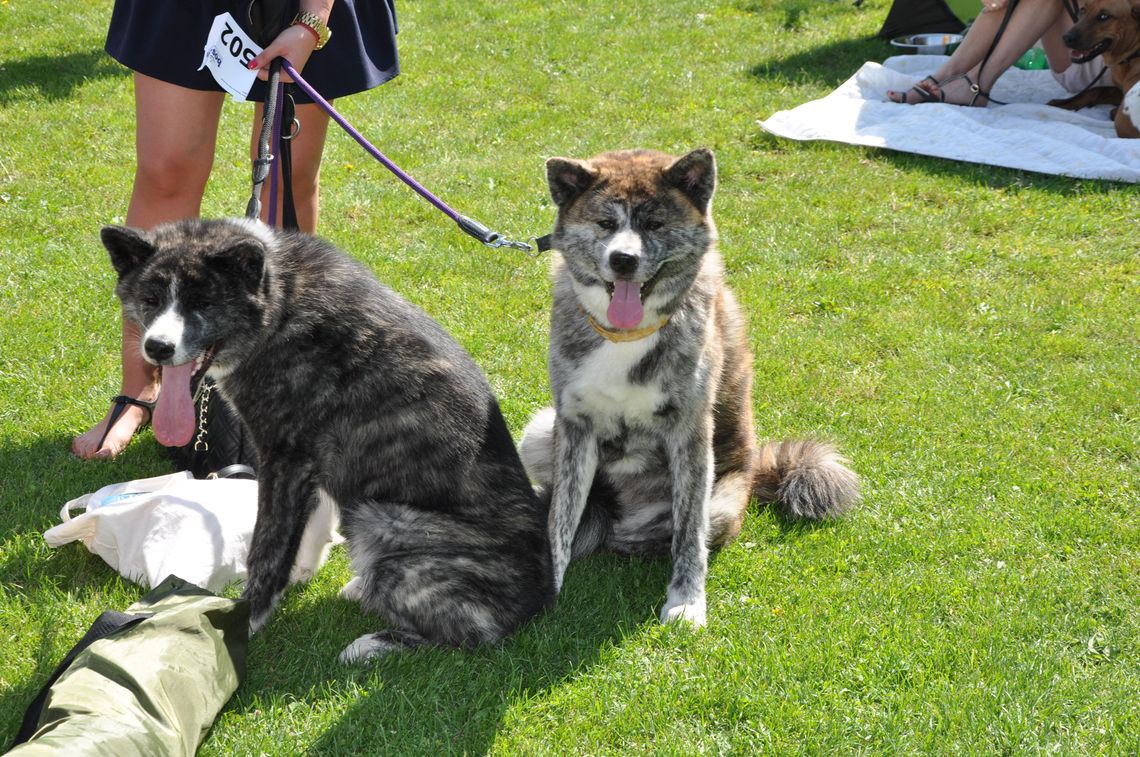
(967, 335)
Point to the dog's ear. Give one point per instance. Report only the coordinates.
(128, 248)
(568, 179)
(695, 175)
(244, 260)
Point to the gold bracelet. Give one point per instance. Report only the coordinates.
(313, 23)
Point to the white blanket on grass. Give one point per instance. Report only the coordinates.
(1026, 134)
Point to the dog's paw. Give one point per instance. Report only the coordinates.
(260, 612)
(367, 647)
(353, 591)
(1131, 105)
(300, 575)
(692, 612)
(258, 622)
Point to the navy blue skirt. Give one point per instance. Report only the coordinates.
(163, 39)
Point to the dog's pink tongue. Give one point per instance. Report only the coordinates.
(174, 418)
(625, 311)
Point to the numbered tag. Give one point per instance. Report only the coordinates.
(227, 54)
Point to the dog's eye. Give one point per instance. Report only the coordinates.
(651, 224)
(150, 301)
(607, 224)
(1103, 17)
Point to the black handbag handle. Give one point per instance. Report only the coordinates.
(268, 18)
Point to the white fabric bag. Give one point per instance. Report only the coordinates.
(198, 530)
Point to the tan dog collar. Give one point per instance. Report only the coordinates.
(625, 335)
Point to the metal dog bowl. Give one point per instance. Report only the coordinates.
(927, 44)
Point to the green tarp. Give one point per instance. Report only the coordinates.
(153, 687)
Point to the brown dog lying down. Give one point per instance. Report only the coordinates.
(1110, 28)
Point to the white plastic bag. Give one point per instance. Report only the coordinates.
(199, 530)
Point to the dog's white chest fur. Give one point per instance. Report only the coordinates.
(599, 387)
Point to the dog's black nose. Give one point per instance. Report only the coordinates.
(623, 262)
(159, 350)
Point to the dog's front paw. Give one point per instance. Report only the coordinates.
(368, 647)
(353, 591)
(260, 612)
(300, 575)
(257, 622)
(692, 612)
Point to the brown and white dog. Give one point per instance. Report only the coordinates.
(1110, 28)
(650, 446)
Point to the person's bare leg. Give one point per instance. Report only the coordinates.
(175, 134)
(967, 55)
(1032, 20)
(1056, 51)
(308, 148)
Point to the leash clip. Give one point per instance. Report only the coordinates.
(473, 228)
(501, 241)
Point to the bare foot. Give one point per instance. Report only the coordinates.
(131, 418)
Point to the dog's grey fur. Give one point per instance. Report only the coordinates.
(650, 445)
(350, 393)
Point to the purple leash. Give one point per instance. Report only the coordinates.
(467, 225)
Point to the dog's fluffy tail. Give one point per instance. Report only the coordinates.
(806, 478)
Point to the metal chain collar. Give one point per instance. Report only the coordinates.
(200, 443)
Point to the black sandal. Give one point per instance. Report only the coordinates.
(925, 95)
(119, 405)
(975, 90)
